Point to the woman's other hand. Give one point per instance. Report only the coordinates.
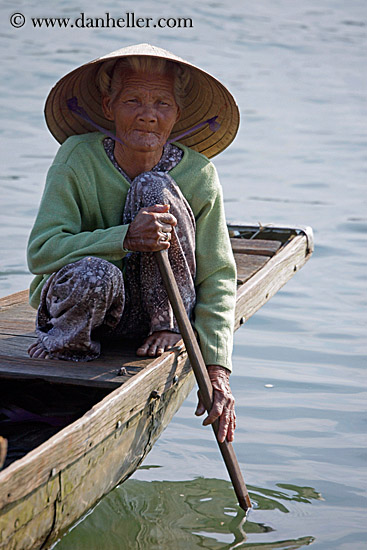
(223, 403)
(151, 229)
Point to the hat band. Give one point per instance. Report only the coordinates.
(73, 106)
(213, 125)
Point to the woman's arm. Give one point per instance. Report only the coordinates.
(216, 285)
(215, 281)
(60, 236)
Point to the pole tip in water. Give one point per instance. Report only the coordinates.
(245, 504)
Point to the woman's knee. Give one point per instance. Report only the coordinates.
(87, 275)
(154, 188)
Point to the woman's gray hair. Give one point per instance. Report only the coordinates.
(110, 76)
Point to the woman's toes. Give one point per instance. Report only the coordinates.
(37, 351)
(32, 348)
(152, 350)
(143, 350)
(157, 343)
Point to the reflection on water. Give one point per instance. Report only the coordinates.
(201, 513)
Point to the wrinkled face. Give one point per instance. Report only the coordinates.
(144, 112)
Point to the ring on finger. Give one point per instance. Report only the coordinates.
(165, 236)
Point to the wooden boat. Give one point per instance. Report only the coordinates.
(75, 431)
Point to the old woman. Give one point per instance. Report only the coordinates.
(141, 183)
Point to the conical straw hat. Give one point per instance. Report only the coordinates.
(205, 98)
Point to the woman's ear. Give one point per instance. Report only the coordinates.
(106, 107)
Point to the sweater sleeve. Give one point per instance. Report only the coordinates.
(215, 279)
(59, 235)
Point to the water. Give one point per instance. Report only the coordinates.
(298, 72)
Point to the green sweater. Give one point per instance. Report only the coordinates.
(80, 215)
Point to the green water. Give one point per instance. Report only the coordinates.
(194, 514)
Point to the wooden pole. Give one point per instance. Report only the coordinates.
(201, 374)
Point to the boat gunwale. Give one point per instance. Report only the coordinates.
(306, 230)
(295, 249)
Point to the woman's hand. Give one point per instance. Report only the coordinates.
(150, 230)
(223, 403)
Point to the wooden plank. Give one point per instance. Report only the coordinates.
(101, 373)
(21, 312)
(18, 318)
(266, 282)
(15, 345)
(63, 372)
(13, 299)
(17, 327)
(25, 525)
(247, 266)
(260, 247)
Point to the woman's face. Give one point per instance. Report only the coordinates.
(144, 112)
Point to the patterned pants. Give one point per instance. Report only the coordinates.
(89, 300)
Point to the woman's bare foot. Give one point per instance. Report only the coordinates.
(37, 351)
(158, 342)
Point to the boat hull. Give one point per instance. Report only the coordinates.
(38, 519)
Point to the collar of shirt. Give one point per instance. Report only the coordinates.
(171, 156)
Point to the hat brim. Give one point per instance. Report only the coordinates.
(205, 98)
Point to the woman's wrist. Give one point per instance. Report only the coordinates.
(218, 370)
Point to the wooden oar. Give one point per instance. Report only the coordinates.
(201, 374)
